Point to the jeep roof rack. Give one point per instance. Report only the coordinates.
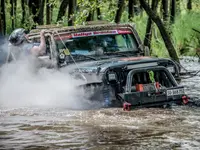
(98, 22)
(80, 28)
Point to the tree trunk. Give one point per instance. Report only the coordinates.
(165, 10)
(23, 11)
(12, 14)
(130, 9)
(49, 11)
(41, 13)
(90, 17)
(15, 11)
(119, 11)
(148, 35)
(189, 5)
(173, 11)
(1, 27)
(62, 9)
(2, 18)
(52, 7)
(99, 17)
(164, 34)
(71, 12)
(34, 6)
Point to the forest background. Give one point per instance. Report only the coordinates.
(179, 18)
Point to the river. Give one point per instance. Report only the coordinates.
(59, 128)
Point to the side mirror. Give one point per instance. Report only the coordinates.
(146, 51)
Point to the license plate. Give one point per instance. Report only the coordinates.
(175, 92)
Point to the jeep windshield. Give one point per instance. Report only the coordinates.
(99, 43)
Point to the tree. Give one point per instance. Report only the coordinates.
(119, 10)
(12, 14)
(133, 9)
(37, 9)
(90, 17)
(71, 12)
(148, 35)
(23, 11)
(189, 5)
(49, 12)
(2, 18)
(13, 11)
(130, 9)
(164, 34)
(99, 17)
(165, 10)
(62, 9)
(173, 11)
(41, 12)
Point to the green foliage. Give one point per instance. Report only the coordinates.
(108, 10)
(28, 18)
(183, 37)
(56, 5)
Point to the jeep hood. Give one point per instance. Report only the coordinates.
(130, 62)
(92, 68)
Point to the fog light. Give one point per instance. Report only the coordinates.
(62, 56)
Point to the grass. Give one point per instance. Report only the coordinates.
(183, 36)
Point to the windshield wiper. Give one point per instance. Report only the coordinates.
(93, 58)
(115, 53)
(121, 53)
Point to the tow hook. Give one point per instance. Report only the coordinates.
(126, 106)
(185, 99)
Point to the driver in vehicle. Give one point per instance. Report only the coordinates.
(20, 45)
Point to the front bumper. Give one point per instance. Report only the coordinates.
(154, 99)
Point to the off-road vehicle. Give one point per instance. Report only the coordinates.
(112, 59)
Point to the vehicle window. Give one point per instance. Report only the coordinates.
(108, 43)
(120, 41)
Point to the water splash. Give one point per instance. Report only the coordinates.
(22, 84)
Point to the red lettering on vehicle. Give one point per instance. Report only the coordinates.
(105, 32)
(82, 34)
(63, 37)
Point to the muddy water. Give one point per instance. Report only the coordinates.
(59, 128)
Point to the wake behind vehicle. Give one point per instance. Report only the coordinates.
(112, 60)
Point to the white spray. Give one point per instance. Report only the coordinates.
(22, 85)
